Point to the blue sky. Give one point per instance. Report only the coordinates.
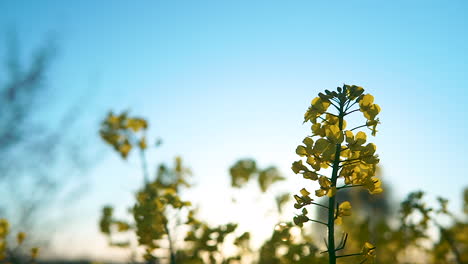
(222, 80)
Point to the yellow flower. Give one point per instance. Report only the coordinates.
(374, 185)
(124, 149)
(331, 119)
(3, 245)
(320, 146)
(301, 151)
(353, 91)
(318, 130)
(34, 252)
(331, 191)
(20, 237)
(343, 210)
(355, 141)
(113, 120)
(368, 250)
(366, 101)
(372, 112)
(314, 162)
(334, 134)
(136, 124)
(142, 143)
(304, 192)
(318, 107)
(319, 104)
(4, 228)
(310, 175)
(303, 200)
(298, 167)
(325, 187)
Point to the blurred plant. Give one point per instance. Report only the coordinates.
(205, 243)
(150, 212)
(409, 236)
(159, 202)
(352, 161)
(245, 170)
(372, 219)
(35, 150)
(10, 254)
(283, 247)
(416, 220)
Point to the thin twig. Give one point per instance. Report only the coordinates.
(358, 127)
(321, 205)
(355, 110)
(348, 186)
(318, 222)
(349, 255)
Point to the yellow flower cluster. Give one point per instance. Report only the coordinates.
(357, 160)
(150, 212)
(120, 131)
(360, 162)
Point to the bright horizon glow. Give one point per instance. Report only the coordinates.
(222, 81)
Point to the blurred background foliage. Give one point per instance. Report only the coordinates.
(42, 161)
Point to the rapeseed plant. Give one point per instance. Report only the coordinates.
(351, 160)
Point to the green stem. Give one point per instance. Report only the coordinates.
(171, 247)
(321, 205)
(447, 236)
(358, 127)
(332, 200)
(144, 167)
(348, 186)
(349, 255)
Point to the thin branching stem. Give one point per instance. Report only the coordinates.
(348, 186)
(318, 222)
(331, 114)
(348, 160)
(323, 119)
(321, 205)
(358, 127)
(349, 106)
(350, 163)
(355, 110)
(349, 255)
(342, 244)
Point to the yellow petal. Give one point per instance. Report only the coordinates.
(366, 100)
(304, 192)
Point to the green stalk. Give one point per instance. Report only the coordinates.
(332, 200)
(171, 247)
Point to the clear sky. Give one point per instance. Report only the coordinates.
(222, 80)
